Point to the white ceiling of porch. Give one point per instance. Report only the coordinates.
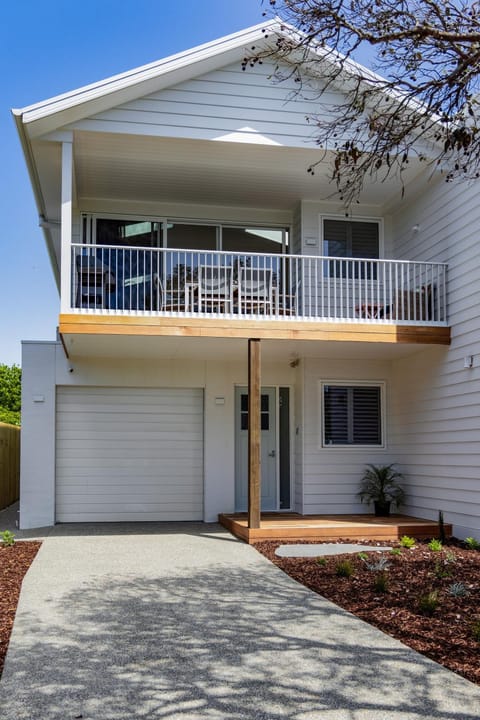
(155, 169)
(149, 348)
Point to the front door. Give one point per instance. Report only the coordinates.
(269, 463)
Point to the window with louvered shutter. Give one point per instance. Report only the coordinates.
(347, 239)
(352, 415)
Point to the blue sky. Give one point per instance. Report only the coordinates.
(47, 48)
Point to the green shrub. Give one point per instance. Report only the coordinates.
(450, 557)
(11, 417)
(8, 538)
(321, 561)
(472, 544)
(407, 542)
(427, 604)
(363, 555)
(396, 551)
(381, 582)
(435, 545)
(344, 568)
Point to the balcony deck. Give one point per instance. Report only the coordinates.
(292, 526)
(161, 292)
(262, 327)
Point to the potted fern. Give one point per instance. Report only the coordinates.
(379, 485)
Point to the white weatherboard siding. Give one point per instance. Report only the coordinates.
(436, 401)
(226, 104)
(129, 454)
(331, 475)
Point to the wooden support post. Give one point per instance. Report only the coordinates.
(254, 434)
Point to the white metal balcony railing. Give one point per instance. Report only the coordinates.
(128, 280)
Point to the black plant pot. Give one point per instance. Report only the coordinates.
(382, 509)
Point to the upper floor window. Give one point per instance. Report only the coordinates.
(355, 239)
(261, 240)
(127, 233)
(184, 235)
(351, 239)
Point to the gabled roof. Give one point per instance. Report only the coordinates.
(42, 121)
(53, 113)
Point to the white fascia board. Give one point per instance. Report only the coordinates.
(37, 191)
(135, 80)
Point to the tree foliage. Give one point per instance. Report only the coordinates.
(10, 394)
(422, 103)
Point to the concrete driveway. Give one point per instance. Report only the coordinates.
(182, 621)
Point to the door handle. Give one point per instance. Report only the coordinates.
(271, 454)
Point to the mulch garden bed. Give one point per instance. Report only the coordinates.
(450, 635)
(14, 563)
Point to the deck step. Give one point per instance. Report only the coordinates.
(292, 526)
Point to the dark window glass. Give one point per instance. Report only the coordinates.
(352, 415)
(264, 412)
(128, 266)
(128, 233)
(260, 240)
(192, 237)
(284, 427)
(344, 239)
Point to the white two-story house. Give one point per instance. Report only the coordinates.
(196, 258)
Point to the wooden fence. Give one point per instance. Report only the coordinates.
(9, 464)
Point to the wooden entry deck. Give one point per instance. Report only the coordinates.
(291, 526)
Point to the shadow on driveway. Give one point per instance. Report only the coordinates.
(216, 642)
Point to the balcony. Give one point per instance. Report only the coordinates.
(141, 301)
(131, 281)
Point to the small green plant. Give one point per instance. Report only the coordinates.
(441, 528)
(458, 589)
(407, 542)
(344, 568)
(442, 570)
(379, 485)
(476, 630)
(381, 582)
(427, 604)
(396, 551)
(435, 545)
(378, 565)
(363, 555)
(450, 557)
(321, 561)
(8, 538)
(472, 544)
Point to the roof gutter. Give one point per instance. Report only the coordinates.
(37, 192)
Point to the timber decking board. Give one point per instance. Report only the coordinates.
(329, 527)
(261, 328)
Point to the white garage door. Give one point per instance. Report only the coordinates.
(129, 454)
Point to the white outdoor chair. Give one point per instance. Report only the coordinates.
(255, 290)
(215, 288)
